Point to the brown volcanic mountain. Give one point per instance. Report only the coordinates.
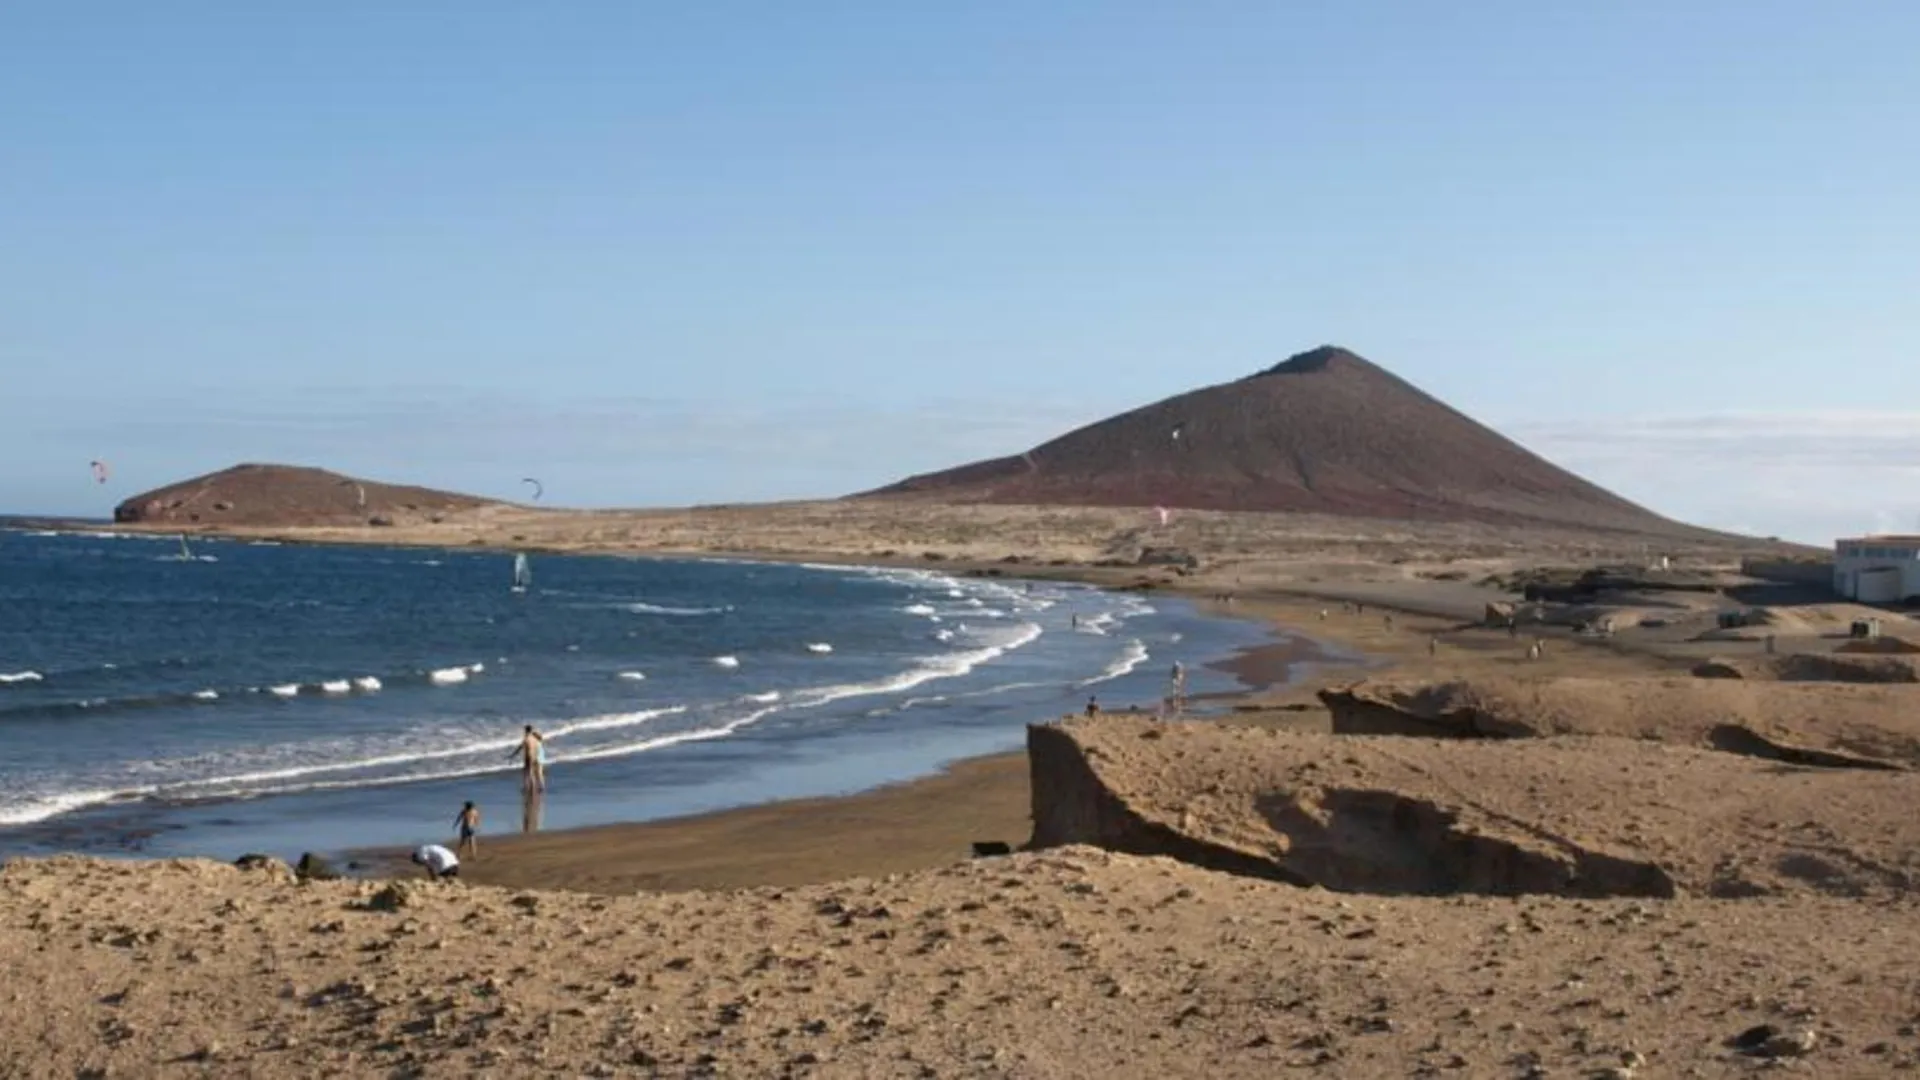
(286, 495)
(1324, 432)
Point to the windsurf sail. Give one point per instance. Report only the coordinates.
(522, 573)
(185, 551)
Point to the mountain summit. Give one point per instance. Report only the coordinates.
(1325, 431)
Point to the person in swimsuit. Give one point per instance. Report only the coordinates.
(468, 822)
(532, 752)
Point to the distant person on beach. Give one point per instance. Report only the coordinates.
(1093, 706)
(468, 822)
(440, 862)
(532, 752)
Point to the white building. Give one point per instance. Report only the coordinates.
(1877, 569)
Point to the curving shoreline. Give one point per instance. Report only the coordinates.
(897, 827)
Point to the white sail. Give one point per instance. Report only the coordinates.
(522, 573)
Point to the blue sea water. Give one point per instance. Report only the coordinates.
(237, 696)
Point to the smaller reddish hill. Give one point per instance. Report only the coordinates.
(1325, 431)
(286, 496)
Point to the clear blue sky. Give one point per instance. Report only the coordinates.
(665, 253)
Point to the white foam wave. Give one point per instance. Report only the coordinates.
(447, 676)
(919, 609)
(935, 699)
(943, 635)
(664, 609)
(366, 684)
(20, 677)
(597, 723)
(946, 666)
(475, 669)
(612, 721)
(674, 739)
(632, 676)
(336, 686)
(284, 690)
(40, 809)
(819, 647)
(762, 699)
(1131, 657)
(271, 781)
(206, 695)
(726, 661)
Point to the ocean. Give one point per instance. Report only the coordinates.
(229, 696)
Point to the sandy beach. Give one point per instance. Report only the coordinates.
(934, 821)
(1564, 910)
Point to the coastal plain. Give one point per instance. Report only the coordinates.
(860, 937)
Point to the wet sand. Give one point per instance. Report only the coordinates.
(932, 821)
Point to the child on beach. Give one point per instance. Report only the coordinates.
(468, 822)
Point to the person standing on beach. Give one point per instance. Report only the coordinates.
(532, 752)
(468, 822)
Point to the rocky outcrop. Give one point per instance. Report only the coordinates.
(1816, 667)
(1561, 816)
(1825, 723)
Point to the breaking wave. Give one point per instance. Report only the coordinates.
(1130, 658)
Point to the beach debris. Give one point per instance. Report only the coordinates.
(1766, 1040)
(257, 861)
(394, 896)
(313, 867)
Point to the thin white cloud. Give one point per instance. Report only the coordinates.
(601, 452)
(1807, 476)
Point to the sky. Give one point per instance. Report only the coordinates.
(665, 254)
